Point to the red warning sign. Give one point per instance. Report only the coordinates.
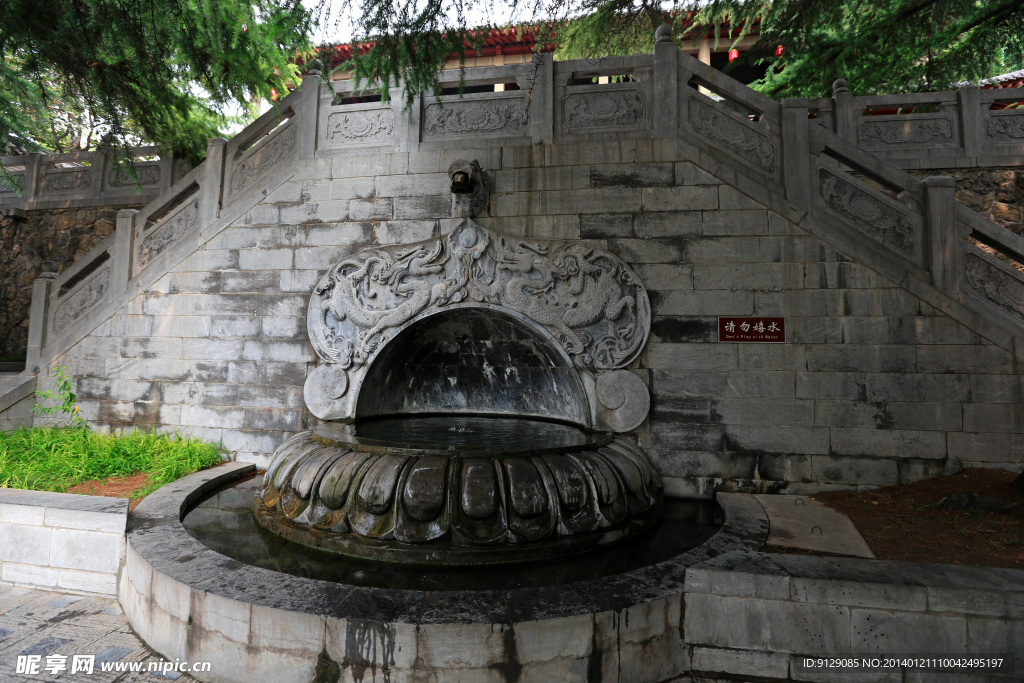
(769, 330)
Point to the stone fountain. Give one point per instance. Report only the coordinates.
(471, 387)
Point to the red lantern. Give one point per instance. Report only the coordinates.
(779, 50)
(733, 54)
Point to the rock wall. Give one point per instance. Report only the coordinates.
(873, 386)
(995, 193)
(61, 235)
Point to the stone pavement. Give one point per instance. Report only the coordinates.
(45, 623)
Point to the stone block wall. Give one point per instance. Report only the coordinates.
(873, 386)
(61, 235)
(751, 614)
(61, 541)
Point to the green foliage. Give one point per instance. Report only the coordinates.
(160, 70)
(878, 46)
(412, 42)
(63, 396)
(53, 459)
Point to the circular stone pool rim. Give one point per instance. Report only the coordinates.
(191, 603)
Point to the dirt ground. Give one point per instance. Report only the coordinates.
(115, 487)
(895, 526)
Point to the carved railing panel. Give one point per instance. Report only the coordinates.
(1005, 127)
(501, 115)
(148, 175)
(9, 189)
(84, 286)
(908, 132)
(737, 135)
(358, 125)
(154, 239)
(873, 213)
(257, 162)
(994, 281)
(66, 180)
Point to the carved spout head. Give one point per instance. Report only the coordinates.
(471, 187)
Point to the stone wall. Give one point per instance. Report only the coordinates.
(874, 385)
(61, 235)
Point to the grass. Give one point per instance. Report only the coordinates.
(55, 459)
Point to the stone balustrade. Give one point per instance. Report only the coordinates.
(83, 179)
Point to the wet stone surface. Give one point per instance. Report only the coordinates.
(45, 623)
(224, 523)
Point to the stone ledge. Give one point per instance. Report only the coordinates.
(61, 540)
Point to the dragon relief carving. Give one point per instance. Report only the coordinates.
(740, 139)
(1008, 128)
(588, 299)
(876, 218)
(995, 285)
(909, 132)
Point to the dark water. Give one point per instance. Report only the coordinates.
(452, 432)
(224, 522)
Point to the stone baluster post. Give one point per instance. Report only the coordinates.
(666, 86)
(212, 183)
(943, 242)
(121, 254)
(796, 151)
(32, 173)
(308, 110)
(542, 100)
(38, 314)
(969, 100)
(846, 121)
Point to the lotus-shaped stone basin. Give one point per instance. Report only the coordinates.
(453, 490)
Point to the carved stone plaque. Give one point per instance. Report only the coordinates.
(504, 116)
(885, 223)
(617, 108)
(736, 136)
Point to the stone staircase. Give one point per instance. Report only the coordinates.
(811, 161)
